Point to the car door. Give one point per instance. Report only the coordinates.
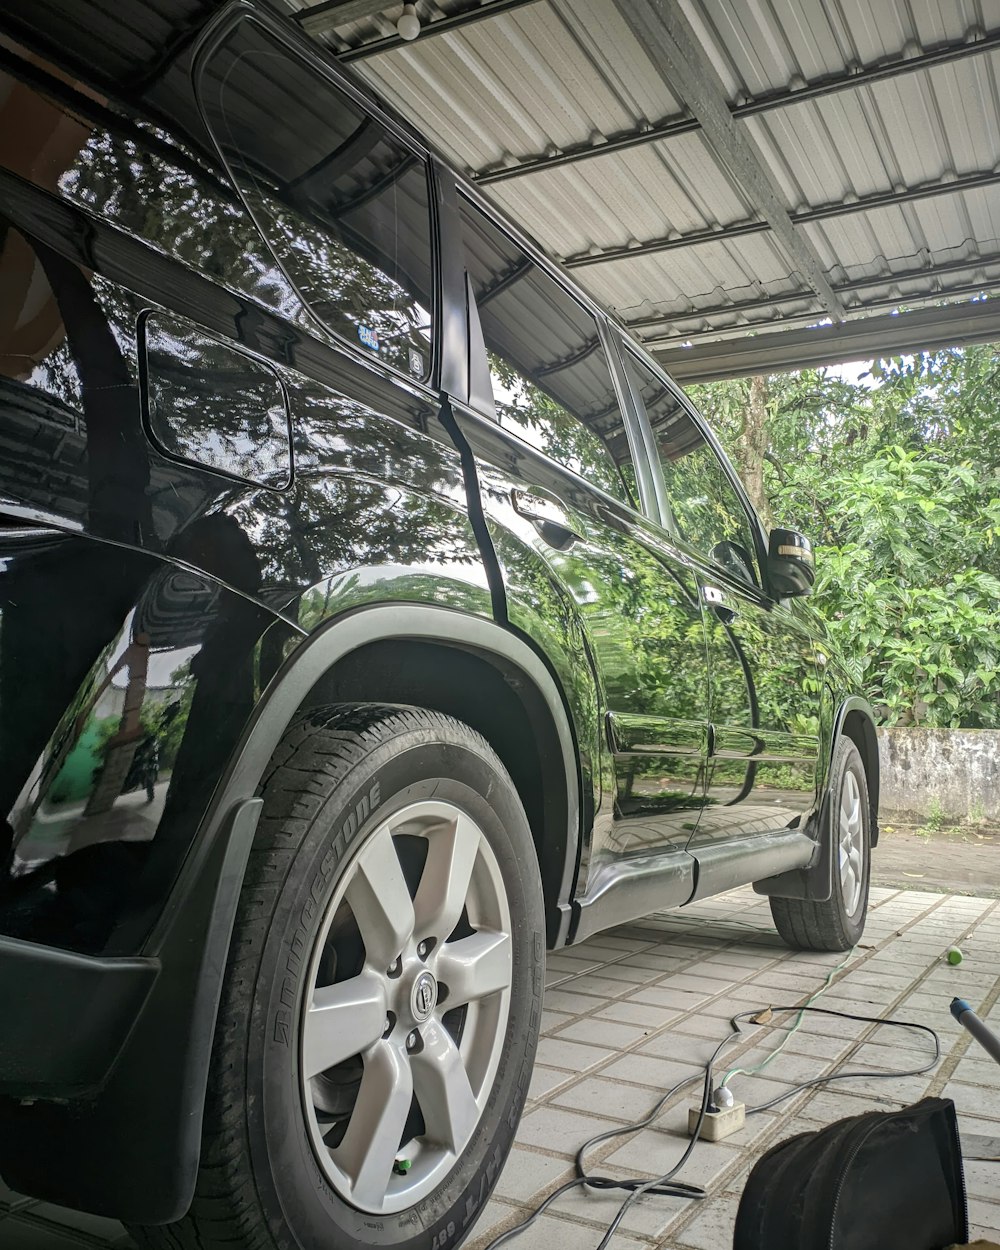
(557, 471)
(764, 667)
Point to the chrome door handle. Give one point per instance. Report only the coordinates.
(551, 528)
(719, 602)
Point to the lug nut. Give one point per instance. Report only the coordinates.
(411, 1041)
(422, 949)
(395, 967)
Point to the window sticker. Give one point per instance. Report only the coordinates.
(416, 363)
(368, 337)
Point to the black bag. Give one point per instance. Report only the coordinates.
(885, 1180)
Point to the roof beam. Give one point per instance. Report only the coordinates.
(863, 76)
(317, 19)
(928, 274)
(822, 212)
(442, 26)
(673, 49)
(927, 329)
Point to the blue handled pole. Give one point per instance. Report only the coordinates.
(983, 1034)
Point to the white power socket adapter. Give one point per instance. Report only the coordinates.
(717, 1124)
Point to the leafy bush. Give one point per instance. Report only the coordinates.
(897, 480)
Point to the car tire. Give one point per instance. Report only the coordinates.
(382, 998)
(837, 923)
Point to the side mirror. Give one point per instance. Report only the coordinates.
(791, 569)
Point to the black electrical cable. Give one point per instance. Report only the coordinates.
(866, 1073)
(665, 1184)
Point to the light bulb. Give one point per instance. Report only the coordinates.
(408, 26)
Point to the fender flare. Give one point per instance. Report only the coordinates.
(76, 1153)
(815, 882)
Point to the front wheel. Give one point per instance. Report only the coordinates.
(382, 998)
(837, 923)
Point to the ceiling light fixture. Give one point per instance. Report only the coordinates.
(408, 26)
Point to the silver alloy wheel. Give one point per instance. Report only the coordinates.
(852, 844)
(388, 1019)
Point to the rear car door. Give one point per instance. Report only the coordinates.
(764, 673)
(561, 493)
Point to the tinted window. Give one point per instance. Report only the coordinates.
(342, 202)
(706, 508)
(551, 380)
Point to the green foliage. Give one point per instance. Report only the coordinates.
(897, 480)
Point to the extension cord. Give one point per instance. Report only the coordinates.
(719, 1122)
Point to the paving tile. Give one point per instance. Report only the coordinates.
(653, 1152)
(984, 1219)
(559, 1131)
(554, 1052)
(553, 1020)
(713, 1228)
(571, 1000)
(494, 1215)
(544, 1080)
(604, 1033)
(553, 1233)
(670, 996)
(672, 1045)
(648, 1216)
(650, 1070)
(637, 1013)
(527, 1172)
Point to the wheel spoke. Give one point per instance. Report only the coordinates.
(441, 1084)
(343, 1020)
(444, 884)
(850, 804)
(372, 1140)
(475, 966)
(380, 900)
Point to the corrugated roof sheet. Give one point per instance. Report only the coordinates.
(556, 75)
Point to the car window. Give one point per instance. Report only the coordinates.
(706, 507)
(342, 202)
(552, 383)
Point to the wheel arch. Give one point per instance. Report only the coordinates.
(856, 720)
(186, 954)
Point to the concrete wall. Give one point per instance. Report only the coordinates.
(954, 772)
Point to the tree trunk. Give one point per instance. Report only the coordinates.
(751, 447)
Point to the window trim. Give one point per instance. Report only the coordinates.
(669, 521)
(605, 343)
(213, 36)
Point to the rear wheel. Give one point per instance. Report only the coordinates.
(837, 923)
(382, 999)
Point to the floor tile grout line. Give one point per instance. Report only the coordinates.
(738, 1048)
(718, 1182)
(609, 1148)
(805, 1097)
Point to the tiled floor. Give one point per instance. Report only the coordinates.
(632, 1012)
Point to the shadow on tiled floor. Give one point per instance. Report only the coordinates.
(631, 1012)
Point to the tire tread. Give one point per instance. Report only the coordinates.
(315, 755)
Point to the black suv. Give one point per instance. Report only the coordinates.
(374, 614)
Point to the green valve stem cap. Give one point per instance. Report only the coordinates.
(402, 1166)
(954, 955)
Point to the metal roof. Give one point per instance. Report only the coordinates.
(718, 169)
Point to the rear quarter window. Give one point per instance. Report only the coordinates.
(342, 201)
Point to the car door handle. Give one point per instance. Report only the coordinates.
(551, 528)
(719, 602)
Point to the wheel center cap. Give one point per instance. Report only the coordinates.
(423, 996)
